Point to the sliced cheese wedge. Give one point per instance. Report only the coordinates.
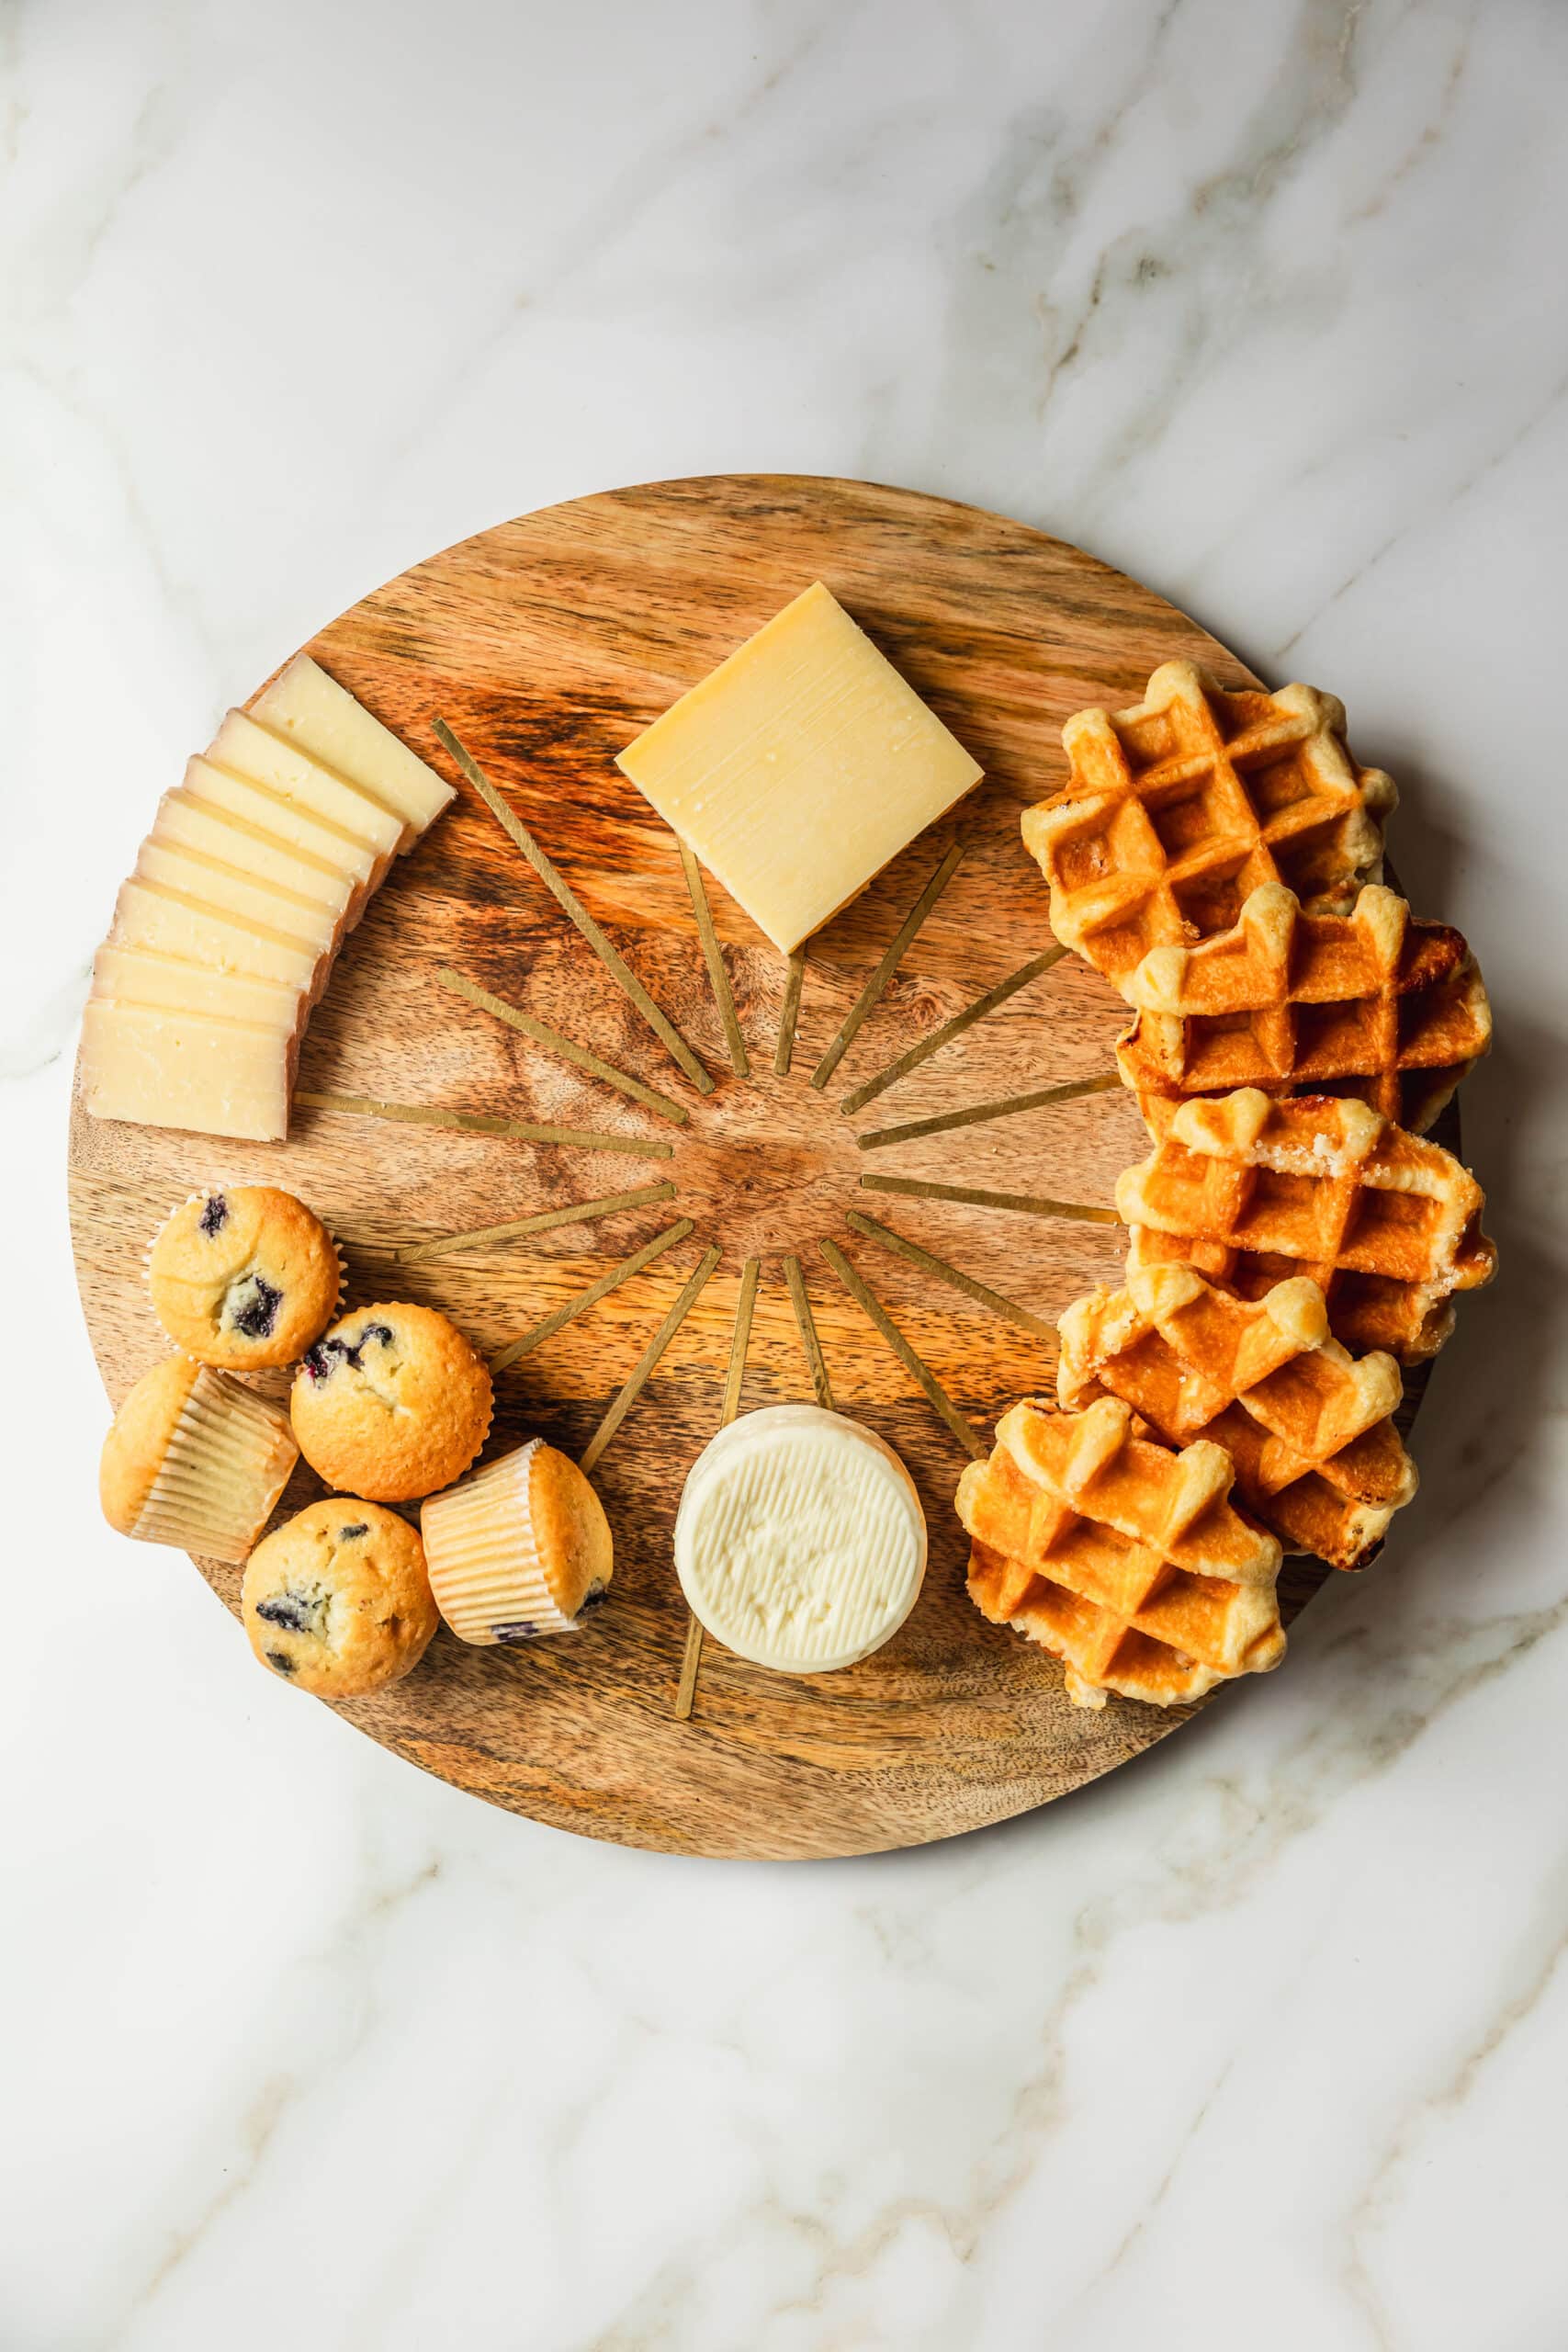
(257, 865)
(171, 923)
(213, 832)
(282, 769)
(284, 821)
(312, 711)
(178, 1069)
(173, 983)
(228, 888)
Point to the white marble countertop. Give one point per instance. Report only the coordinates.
(1261, 2041)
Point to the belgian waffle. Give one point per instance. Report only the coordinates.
(1119, 1556)
(1250, 1191)
(1374, 1003)
(1318, 1458)
(1178, 810)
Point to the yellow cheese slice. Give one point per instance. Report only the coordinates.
(171, 922)
(175, 1069)
(312, 711)
(282, 769)
(214, 832)
(146, 976)
(281, 820)
(233, 892)
(799, 767)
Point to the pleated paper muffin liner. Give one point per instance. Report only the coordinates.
(228, 1459)
(206, 1192)
(486, 1567)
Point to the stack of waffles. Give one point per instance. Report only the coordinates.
(1296, 1239)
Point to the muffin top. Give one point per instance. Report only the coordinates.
(134, 1448)
(337, 1600)
(392, 1403)
(244, 1278)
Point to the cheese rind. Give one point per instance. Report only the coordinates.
(174, 1070)
(799, 767)
(310, 709)
(282, 768)
(800, 1543)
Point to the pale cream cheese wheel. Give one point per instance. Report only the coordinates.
(800, 1543)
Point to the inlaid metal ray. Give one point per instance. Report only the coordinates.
(871, 1229)
(569, 1312)
(974, 1114)
(571, 906)
(545, 1221)
(916, 1188)
(978, 1011)
(473, 1123)
(914, 1365)
(739, 1340)
(713, 957)
(649, 1359)
(897, 948)
(789, 1014)
(663, 1106)
(821, 1386)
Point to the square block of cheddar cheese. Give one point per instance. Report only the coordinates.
(799, 767)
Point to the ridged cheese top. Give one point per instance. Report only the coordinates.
(800, 1541)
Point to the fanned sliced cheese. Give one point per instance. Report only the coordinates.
(214, 832)
(148, 914)
(257, 866)
(227, 887)
(285, 820)
(282, 768)
(146, 976)
(308, 709)
(185, 1069)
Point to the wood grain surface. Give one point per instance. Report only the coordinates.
(546, 644)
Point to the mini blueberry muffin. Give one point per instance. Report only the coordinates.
(521, 1548)
(337, 1600)
(392, 1403)
(194, 1460)
(245, 1278)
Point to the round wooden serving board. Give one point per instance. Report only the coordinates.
(546, 644)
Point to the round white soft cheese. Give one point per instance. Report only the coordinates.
(800, 1541)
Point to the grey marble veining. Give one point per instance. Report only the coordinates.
(1262, 2039)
